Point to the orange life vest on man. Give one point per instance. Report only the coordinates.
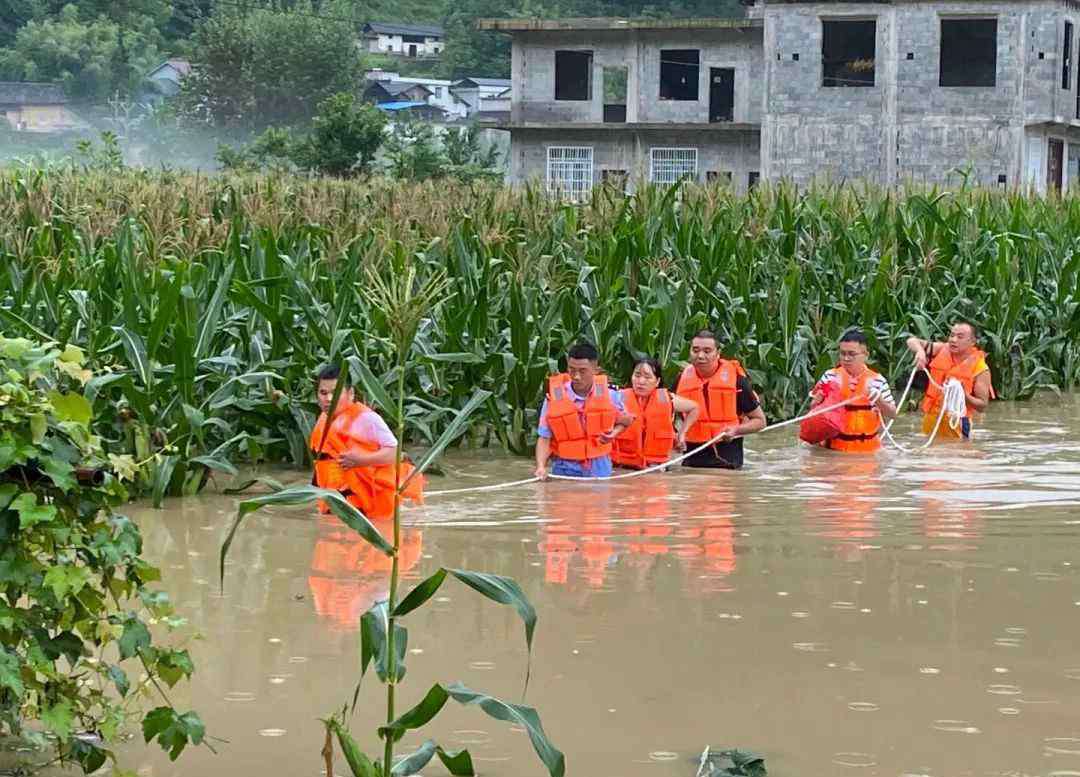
(650, 438)
(718, 404)
(862, 424)
(942, 367)
(575, 433)
(370, 489)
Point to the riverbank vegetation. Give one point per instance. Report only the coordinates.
(205, 305)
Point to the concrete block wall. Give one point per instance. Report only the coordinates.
(737, 153)
(533, 73)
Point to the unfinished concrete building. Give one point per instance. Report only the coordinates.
(885, 92)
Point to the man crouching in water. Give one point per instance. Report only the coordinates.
(356, 456)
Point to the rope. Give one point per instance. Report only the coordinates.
(647, 470)
(953, 404)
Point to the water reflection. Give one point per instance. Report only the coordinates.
(348, 575)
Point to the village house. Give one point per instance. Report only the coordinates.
(388, 86)
(167, 76)
(36, 107)
(885, 92)
(483, 95)
(404, 40)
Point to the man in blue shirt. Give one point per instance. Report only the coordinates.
(583, 370)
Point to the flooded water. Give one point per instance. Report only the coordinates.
(897, 615)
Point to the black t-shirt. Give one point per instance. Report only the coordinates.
(727, 455)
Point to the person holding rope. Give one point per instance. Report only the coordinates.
(959, 359)
(868, 396)
(579, 419)
(727, 405)
(651, 438)
(357, 455)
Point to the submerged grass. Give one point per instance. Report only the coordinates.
(210, 301)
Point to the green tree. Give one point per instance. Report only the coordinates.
(268, 66)
(467, 156)
(344, 137)
(92, 58)
(414, 153)
(77, 658)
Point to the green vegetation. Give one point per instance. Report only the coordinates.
(405, 299)
(76, 600)
(206, 305)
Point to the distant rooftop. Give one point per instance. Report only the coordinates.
(503, 82)
(182, 66)
(610, 23)
(31, 93)
(400, 105)
(391, 28)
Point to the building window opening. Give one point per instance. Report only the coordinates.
(570, 171)
(573, 75)
(1066, 57)
(616, 179)
(968, 52)
(669, 166)
(718, 177)
(848, 52)
(679, 74)
(615, 94)
(752, 179)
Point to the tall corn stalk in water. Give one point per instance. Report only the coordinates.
(405, 298)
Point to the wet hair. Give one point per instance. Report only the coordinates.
(654, 365)
(974, 329)
(583, 350)
(706, 334)
(853, 335)
(328, 372)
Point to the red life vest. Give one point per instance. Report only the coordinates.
(717, 404)
(650, 438)
(819, 429)
(575, 433)
(943, 367)
(862, 424)
(370, 489)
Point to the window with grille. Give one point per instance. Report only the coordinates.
(671, 165)
(570, 171)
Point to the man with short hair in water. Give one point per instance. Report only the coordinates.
(580, 417)
(357, 455)
(727, 403)
(959, 358)
(868, 392)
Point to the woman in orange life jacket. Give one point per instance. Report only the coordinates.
(727, 403)
(872, 398)
(959, 358)
(580, 417)
(357, 455)
(652, 436)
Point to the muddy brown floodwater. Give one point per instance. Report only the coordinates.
(897, 615)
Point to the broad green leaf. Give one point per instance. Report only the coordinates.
(453, 430)
(213, 312)
(457, 762)
(359, 764)
(60, 472)
(134, 638)
(30, 512)
(163, 473)
(71, 407)
(172, 731)
(373, 643)
(373, 390)
(211, 462)
(120, 680)
(39, 427)
(64, 580)
(10, 673)
(135, 349)
(58, 718)
(339, 505)
(517, 714)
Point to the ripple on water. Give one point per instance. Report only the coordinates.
(1062, 745)
(811, 647)
(1008, 642)
(1010, 711)
(956, 726)
(855, 760)
(1073, 674)
(1004, 690)
(483, 666)
(239, 696)
(272, 732)
(863, 706)
(662, 755)
(472, 737)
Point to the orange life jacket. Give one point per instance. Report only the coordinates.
(943, 367)
(650, 438)
(370, 489)
(862, 424)
(718, 406)
(575, 433)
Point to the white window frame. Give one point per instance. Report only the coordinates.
(570, 171)
(663, 161)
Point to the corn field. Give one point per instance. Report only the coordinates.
(205, 305)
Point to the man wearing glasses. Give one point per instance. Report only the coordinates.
(871, 398)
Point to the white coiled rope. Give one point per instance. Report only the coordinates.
(953, 405)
